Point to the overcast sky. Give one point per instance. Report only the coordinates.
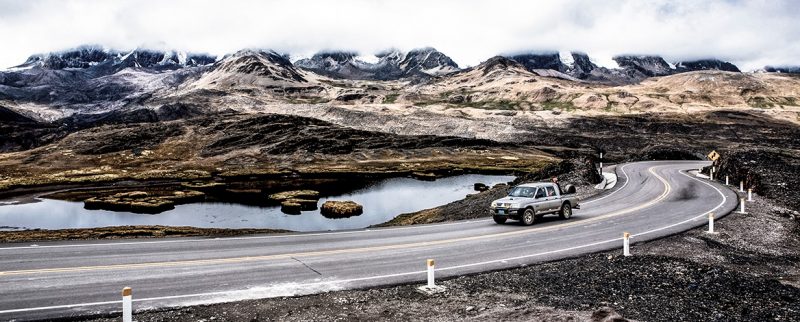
(748, 33)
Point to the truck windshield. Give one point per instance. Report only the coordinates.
(525, 192)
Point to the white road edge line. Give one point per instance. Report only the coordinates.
(615, 240)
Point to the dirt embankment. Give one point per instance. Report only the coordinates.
(768, 171)
(124, 232)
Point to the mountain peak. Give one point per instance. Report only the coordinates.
(648, 65)
(391, 64)
(427, 61)
(499, 63)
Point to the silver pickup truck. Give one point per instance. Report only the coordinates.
(530, 201)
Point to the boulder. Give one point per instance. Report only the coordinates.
(424, 176)
(291, 207)
(607, 314)
(305, 204)
(134, 201)
(294, 194)
(480, 187)
(341, 209)
(142, 202)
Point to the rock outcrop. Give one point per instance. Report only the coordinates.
(341, 209)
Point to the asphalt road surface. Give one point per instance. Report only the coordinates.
(70, 278)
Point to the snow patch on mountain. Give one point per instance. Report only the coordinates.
(606, 61)
(566, 59)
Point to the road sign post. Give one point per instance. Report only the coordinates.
(711, 223)
(626, 244)
(431, 282)
(713, 156)
(127, 305)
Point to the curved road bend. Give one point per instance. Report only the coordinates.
(57, 279)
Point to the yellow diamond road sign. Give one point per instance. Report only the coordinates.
(713, 156)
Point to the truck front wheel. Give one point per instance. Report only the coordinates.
(500, 219)
(528, 217)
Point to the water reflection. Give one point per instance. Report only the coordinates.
(382, 201)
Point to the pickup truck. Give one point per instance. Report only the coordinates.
(528, 202)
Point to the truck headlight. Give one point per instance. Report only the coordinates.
(494, 204)
(514, 205)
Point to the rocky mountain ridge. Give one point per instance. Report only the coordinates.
(390, 65)
(632, 68)
(108, 61)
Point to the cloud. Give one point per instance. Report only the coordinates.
(749, 33)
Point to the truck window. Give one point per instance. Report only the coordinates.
(540, 193)
(525, 192)
(550, 191)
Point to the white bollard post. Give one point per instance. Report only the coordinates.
(711, 177)
(127, 305)
(430, 274)
(601, 166)
(741, 210)
(726, 181)
(626, 244)
(711, 223)
(750, 194)
(741, 186)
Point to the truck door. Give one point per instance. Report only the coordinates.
(553, 199)
(540, 201)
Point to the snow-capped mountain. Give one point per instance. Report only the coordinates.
(109, 61)
(388, 65)
(630, 68)
(427, 61)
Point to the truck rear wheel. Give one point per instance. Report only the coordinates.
(500, 219)
(566, 211)
(528, 217)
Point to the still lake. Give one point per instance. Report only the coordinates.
(382, 201)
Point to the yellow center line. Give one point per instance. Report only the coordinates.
(667, 189)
